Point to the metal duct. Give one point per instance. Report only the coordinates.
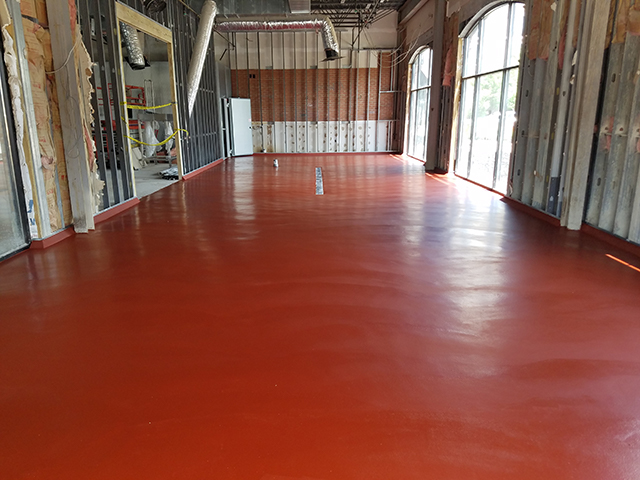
(280, 23)
(132, 43)
(199, 55)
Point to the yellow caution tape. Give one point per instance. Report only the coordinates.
(158, 144)
(143, 107)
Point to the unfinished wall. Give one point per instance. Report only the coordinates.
(45, 98)
(203, 143)
(614, 196)
(302, 104)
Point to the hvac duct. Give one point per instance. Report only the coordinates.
(132, 44)
(199, 55)
(251, 24)
(286, 23)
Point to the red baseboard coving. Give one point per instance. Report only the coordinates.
(531, 211)
(606, 237)
(190, 175)
(53, 239)
(611, 239)
(315, 154)
(70, 232)
(115, 210)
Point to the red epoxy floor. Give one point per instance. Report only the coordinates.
(237, 326)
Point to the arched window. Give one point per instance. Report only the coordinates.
(419, 104)
(488, 98)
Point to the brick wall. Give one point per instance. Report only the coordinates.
(318, 94)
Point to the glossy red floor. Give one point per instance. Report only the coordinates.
(401, 326)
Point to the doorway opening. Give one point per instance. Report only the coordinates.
(149, 103)
(149, 109)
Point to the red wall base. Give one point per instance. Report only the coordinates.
(70, 232)
(190, 175)
(307, 154)
(113, 211)
(611, 239)
(53, 239)
(532, 211)
(606, 237)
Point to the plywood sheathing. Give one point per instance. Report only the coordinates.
(564, 24)
(5, 17)
(611, 23)
(36, 9)
(52, 93)
(542, 12)
(576, 25)
(627, 20)
(621, 21)
(35, 36)
(546, 21)
(47, 111)
(633, 23)
(534, 32)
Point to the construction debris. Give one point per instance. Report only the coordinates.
(170, 173)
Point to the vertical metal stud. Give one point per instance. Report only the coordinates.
(295, 93)
(306, 112)
(260, 90)
(366, 126)
(273, 97)
(615, 165)
(378, 97)
(284, 96)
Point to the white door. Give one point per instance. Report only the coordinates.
(241, 126)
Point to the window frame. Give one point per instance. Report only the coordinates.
(414, 90)
(478, 24)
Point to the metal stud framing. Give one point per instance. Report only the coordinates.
(614, 196)
(300, 129)
(202, 146)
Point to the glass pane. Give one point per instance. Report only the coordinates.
(487, 123)
(494, 39)
(466, 120)
(471, 53)
(412, 124)
(509, 120)
(424, 77)
(420, 134)
(12, 234)
(414, 73)
(515, 44)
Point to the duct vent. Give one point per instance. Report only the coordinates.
(300, 6)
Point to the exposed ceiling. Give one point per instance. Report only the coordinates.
(343, 13)
(355, 13)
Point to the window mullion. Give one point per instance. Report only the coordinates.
(480, 42)
(426, 122)
(475, 97)
(503, 104)
(474, 111)
(507, 50)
